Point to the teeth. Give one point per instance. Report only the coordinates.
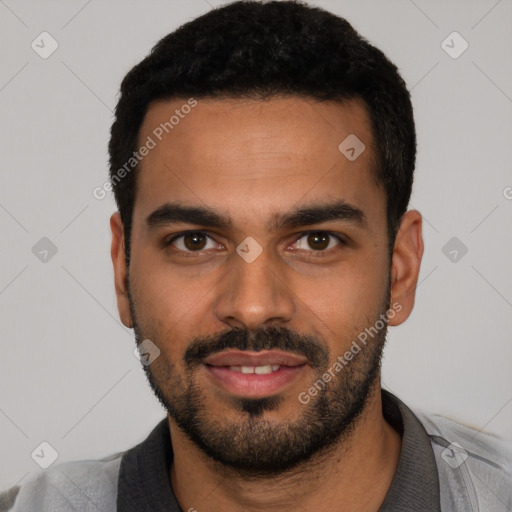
(262, 370)
(259, 370)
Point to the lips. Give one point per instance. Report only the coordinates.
(252, 374)
(251, 358)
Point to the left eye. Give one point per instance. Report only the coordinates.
(317, 240)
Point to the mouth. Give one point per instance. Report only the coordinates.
(249, 374)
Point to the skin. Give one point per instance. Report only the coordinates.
(253, 160)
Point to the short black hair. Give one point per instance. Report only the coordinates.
(256, 50)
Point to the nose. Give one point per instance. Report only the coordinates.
(254, 295)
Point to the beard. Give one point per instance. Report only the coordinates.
(250, 445)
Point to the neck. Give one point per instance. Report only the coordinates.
(354, 475)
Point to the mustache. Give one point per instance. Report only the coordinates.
(268, 338)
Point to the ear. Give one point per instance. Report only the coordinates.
(405, 265)
(117, 251)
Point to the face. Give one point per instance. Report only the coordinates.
(259, 255)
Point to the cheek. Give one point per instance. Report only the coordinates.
(169, 304)
(162, 290)
(345, 300)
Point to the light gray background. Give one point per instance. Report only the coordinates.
(67, 372)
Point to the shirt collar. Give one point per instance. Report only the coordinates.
(144, 483)
(415, 485)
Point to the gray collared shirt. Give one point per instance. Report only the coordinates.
(443, 466)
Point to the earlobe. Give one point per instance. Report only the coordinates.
(405, 265)
(117, 252)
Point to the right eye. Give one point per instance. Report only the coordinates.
(191, 241)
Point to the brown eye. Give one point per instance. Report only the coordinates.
(318, 241)
(193, 241)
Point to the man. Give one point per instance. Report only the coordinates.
(262, 161)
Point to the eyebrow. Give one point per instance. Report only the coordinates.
(314, 213)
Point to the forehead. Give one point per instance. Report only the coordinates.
(249, 157)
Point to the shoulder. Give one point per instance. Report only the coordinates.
(474, 467)
(88, 485)
(478, 445)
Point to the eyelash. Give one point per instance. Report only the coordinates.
(300, 235)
